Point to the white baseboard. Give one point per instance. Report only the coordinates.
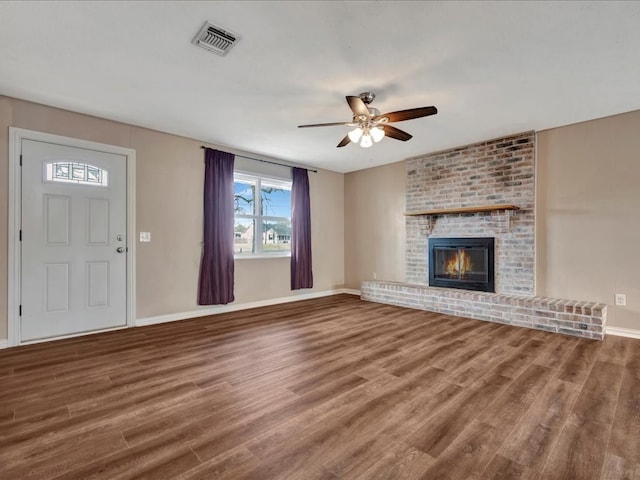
(172, 317)
(350, 291)
(4, 343)
(623, 332)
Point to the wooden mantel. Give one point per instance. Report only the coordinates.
(459, 210)
(429, 216)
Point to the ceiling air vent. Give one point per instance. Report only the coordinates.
(212, 37)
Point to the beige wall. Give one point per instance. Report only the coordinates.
(169, 205)
(588, 196)
(588, 214)
(375, 224)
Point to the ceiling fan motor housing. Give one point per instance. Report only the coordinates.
(367, 97)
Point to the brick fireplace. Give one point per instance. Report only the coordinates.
(495, 172)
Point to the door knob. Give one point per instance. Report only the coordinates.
(120, 249)
(120, 237)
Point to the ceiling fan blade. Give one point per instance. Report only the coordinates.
(402, 115)
(396, 133)
(323, 124)
(357, 106)
(344, 141)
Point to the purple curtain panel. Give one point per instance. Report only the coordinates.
(301, 274)
(217, 267)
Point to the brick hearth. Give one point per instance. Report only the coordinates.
(582, 319)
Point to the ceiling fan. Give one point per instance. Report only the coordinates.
(370, 125)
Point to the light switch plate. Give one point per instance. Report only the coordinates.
(145, 236)
(621, 299)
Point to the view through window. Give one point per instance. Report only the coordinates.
(262, 215)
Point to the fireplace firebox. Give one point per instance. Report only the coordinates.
(466, 263)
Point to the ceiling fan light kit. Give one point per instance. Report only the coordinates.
(370, 125)
(355, 134)
(365, 141)
(366, 136)
(377, 133)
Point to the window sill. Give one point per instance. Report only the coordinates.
(261, 257)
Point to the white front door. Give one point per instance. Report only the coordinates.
(74, 249)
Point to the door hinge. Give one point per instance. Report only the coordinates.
(20, 311)
(20, 234)
(20, 159)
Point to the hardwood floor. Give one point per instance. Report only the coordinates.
(333, 388)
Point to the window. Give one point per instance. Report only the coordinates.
(79, 173)
(262, 216)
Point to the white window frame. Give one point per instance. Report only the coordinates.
(257, 217)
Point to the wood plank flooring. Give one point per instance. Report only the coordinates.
(333, 388)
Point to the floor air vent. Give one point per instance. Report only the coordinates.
(215, 39)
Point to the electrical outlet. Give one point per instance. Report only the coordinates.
(375, 275)
(145, 236)
(621, 299)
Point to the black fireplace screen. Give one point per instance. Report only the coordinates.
(466, 263)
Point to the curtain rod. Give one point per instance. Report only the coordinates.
(268, 161)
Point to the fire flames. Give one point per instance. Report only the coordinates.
(459, 264)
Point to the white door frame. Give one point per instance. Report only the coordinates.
(16, 135)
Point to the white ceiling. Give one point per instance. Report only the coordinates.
(491, 68)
